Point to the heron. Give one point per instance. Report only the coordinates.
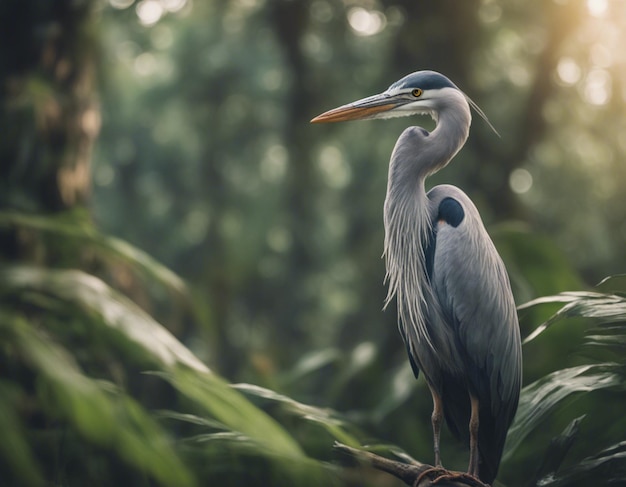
(456, 311)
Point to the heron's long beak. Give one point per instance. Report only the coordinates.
(361, 109)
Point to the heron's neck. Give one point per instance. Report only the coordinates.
(417, 154)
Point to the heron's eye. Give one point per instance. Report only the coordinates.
(416, 92)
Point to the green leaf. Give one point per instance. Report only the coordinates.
(179, 366)
(14, 447)
(193, 419)
(326, 418)
(613, 284)
(312, 362)
(541, 397)
(97, 410)
(83, 233)
(558, 449)
(614, 341)
(398, 390)
(607, 467)
(94, 296)
(602, 308)
(229, 407)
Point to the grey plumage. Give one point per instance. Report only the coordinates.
(455, 307)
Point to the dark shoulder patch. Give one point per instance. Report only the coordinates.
(451, 211)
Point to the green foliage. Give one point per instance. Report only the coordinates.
(54, 318)
(536, 265)
(595, 388)
(96, 411)
(76, 234)
(541, 397)
(57, 325)
(75, 348)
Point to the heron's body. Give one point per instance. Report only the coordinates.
(455, 307)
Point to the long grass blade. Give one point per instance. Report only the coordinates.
(540, 398)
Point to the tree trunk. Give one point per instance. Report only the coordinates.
(48, 116)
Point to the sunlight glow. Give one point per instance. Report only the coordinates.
(149, 11)
(597, 8)
(365, 22)
(601, 56)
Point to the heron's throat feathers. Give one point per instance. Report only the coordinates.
(406, 236)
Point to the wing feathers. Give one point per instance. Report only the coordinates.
(474, 298)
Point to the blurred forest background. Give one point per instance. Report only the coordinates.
(191, 279)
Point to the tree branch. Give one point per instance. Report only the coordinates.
(413, 474)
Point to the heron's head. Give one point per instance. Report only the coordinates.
(419, 93)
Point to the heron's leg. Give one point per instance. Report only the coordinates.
(436, 418)
(473, 431)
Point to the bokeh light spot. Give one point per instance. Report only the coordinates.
(598, 87)
(363, 354)
(279, 239)
(145, 64)
(520, 181)
(121, 4)
(149, 11)
(519, 75)
(568, 71)
(274, 164)
(490, 12)
(272, 79)
(104, 175)
(336, 171)
(162, 37)
(195, 226)
(173, 5)
(365, 22)
(321, 11)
